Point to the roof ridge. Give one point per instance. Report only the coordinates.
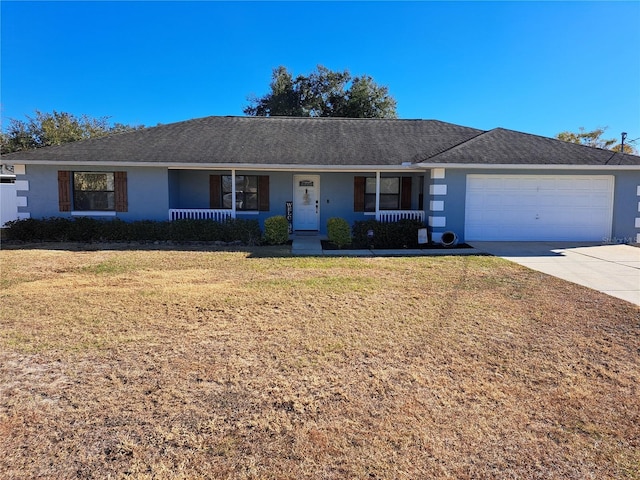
(483, 132)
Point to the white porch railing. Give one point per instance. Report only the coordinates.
(390, 216)
(217, 215)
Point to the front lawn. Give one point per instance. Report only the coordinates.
(194, 364)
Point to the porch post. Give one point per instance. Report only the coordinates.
(233, 193)
(377, 195)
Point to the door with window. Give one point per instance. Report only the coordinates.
(306, 202)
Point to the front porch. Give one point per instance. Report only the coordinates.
(308, 200)
(220, 215)
(215, 214)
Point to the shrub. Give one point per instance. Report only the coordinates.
(276, 230)
(338, 232)
(401, 234)
(245, 231)
(86, 229)
(148, 231)
(25, 230)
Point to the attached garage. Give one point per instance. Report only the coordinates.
(539, 207)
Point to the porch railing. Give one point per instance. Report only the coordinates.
(217, 215)
(395, 215)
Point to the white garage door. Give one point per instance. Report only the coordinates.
(539, 207)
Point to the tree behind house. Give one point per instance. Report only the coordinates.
(594, 139)
(56, 128)
(323, 93)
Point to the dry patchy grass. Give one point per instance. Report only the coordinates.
(176, 364)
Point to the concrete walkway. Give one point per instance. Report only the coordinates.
(611, 269)
(306, 245)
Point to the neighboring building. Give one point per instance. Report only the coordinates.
(482, 185)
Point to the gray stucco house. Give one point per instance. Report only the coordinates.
(482, 185)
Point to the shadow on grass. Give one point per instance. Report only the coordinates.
(265, 251)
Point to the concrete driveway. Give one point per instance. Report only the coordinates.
(611, 269)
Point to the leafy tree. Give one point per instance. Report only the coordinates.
(594, 139)
(323, 93)
(368, 100)
(56, 128)
(283, 99)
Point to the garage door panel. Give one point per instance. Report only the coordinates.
(508, 199)
(559, 219)
(538, 207)
(599, 184)
(598, 199)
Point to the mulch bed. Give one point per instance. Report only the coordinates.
(327, 245)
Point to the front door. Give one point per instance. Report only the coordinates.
(306, 202)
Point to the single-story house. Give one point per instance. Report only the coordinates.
(482, 185)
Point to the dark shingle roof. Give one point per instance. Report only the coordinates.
(264, 141)
(507, 147)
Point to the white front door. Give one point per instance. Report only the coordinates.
(306, 202)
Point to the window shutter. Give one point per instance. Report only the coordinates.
(215, 191)
(405, 199)
(263, 193)
(358, 194)
(120, 185)
(64, 191)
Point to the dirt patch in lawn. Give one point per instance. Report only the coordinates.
(200, 364)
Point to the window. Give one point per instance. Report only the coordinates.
(395, 193)
(252, 192)
(246, 192)
(389, 194)
(94, 191)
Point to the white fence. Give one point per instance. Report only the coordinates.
(8, 203)
(390, 216)
(217, 215)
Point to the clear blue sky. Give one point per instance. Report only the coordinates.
(537, 67)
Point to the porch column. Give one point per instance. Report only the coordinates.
(233, 193)
(378, 195)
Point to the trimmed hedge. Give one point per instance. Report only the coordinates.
(338, 232)
(401, 234)
(276, 230)
(85, 229)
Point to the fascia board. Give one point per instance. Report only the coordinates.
(536, 166)
(223, 166)
(417, 167)
(299, 168)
